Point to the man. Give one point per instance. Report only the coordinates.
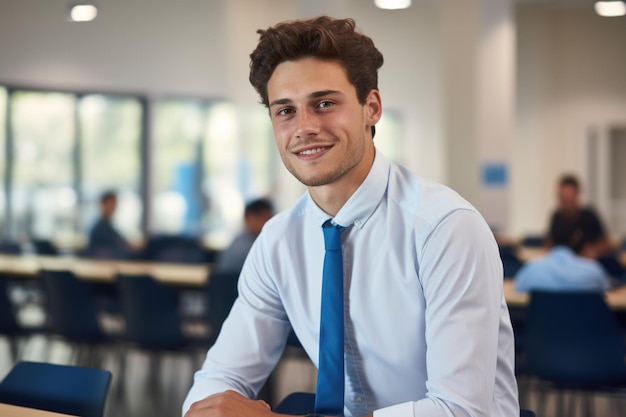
(427, 330)
(256, 214)
(569, 265)
(104, 240)
(569, 209)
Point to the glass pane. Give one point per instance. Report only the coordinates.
(43, 199)
(240, 164)
(3, 112)
(221, 183)
(177, 206)
(110, 160)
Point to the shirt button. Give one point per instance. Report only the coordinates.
(357, 223)
(359, 400)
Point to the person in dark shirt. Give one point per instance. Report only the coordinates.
(586, 220)
(104, 240)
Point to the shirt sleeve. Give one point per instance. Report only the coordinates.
(251, 341)
(467, 323)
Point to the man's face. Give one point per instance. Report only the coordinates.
(321, 130)
(108, 206)
(568, 197)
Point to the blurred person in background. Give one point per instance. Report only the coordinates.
(104, 240)
(570, 263)
(256, 213)
(585, 219)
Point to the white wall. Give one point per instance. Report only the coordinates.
(571, 79)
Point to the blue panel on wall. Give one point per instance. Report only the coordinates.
(494, 174)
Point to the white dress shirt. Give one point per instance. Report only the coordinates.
(562, 269)
(427, 329)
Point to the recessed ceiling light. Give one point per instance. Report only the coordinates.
(393, 4)
(610, 8)
(82, 13)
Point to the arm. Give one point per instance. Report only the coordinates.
(468, 332)
(250, 343)
(231, 403)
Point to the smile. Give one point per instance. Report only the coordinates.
(312, 151)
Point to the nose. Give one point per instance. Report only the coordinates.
(307, 124)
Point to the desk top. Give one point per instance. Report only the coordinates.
(7, 410)
(529, 253)
(615, 298)
(106, 270)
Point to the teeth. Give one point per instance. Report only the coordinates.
(312, 151)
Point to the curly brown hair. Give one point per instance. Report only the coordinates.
(322, 37)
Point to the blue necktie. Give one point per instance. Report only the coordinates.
(330, 376)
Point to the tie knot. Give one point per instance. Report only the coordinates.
(332, 235)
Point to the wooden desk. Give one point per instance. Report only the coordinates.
(616, 298)
(28, 266)
(7, 410)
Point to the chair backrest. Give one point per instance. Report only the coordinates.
(222, 292)
(71, 307)
(175, 248)
(573, 338)
(533, 241)
(45, 247)
(150, 310)
(67, 389)
(510, 261)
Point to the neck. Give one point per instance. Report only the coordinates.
(332, 197)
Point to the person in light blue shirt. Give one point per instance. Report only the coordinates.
(427, 329)
(570, 264)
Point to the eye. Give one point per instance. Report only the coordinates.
(325, 104)
(284, 111)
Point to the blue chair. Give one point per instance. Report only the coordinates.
(153, 324)
(73, 315)
(533, 241)
(304, 402)
(9, 326)
(67, 389)
(510, 261)
(15, 332)
(175, 248)
(221, 294)
(572, 342)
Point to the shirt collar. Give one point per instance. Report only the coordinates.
(361, 205)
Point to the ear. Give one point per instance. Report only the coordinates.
(373, 108)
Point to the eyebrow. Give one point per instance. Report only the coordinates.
(315, 94)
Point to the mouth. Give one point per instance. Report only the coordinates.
(313, 151)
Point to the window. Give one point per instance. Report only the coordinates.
(43, 200)
(209, 158)
(178, 204)
(110, 159)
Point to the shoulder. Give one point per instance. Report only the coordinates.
(428, 202)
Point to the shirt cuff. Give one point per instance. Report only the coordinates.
(398, 410)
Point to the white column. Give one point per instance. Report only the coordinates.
(478, 42)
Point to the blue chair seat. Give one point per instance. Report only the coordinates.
(65, 389)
